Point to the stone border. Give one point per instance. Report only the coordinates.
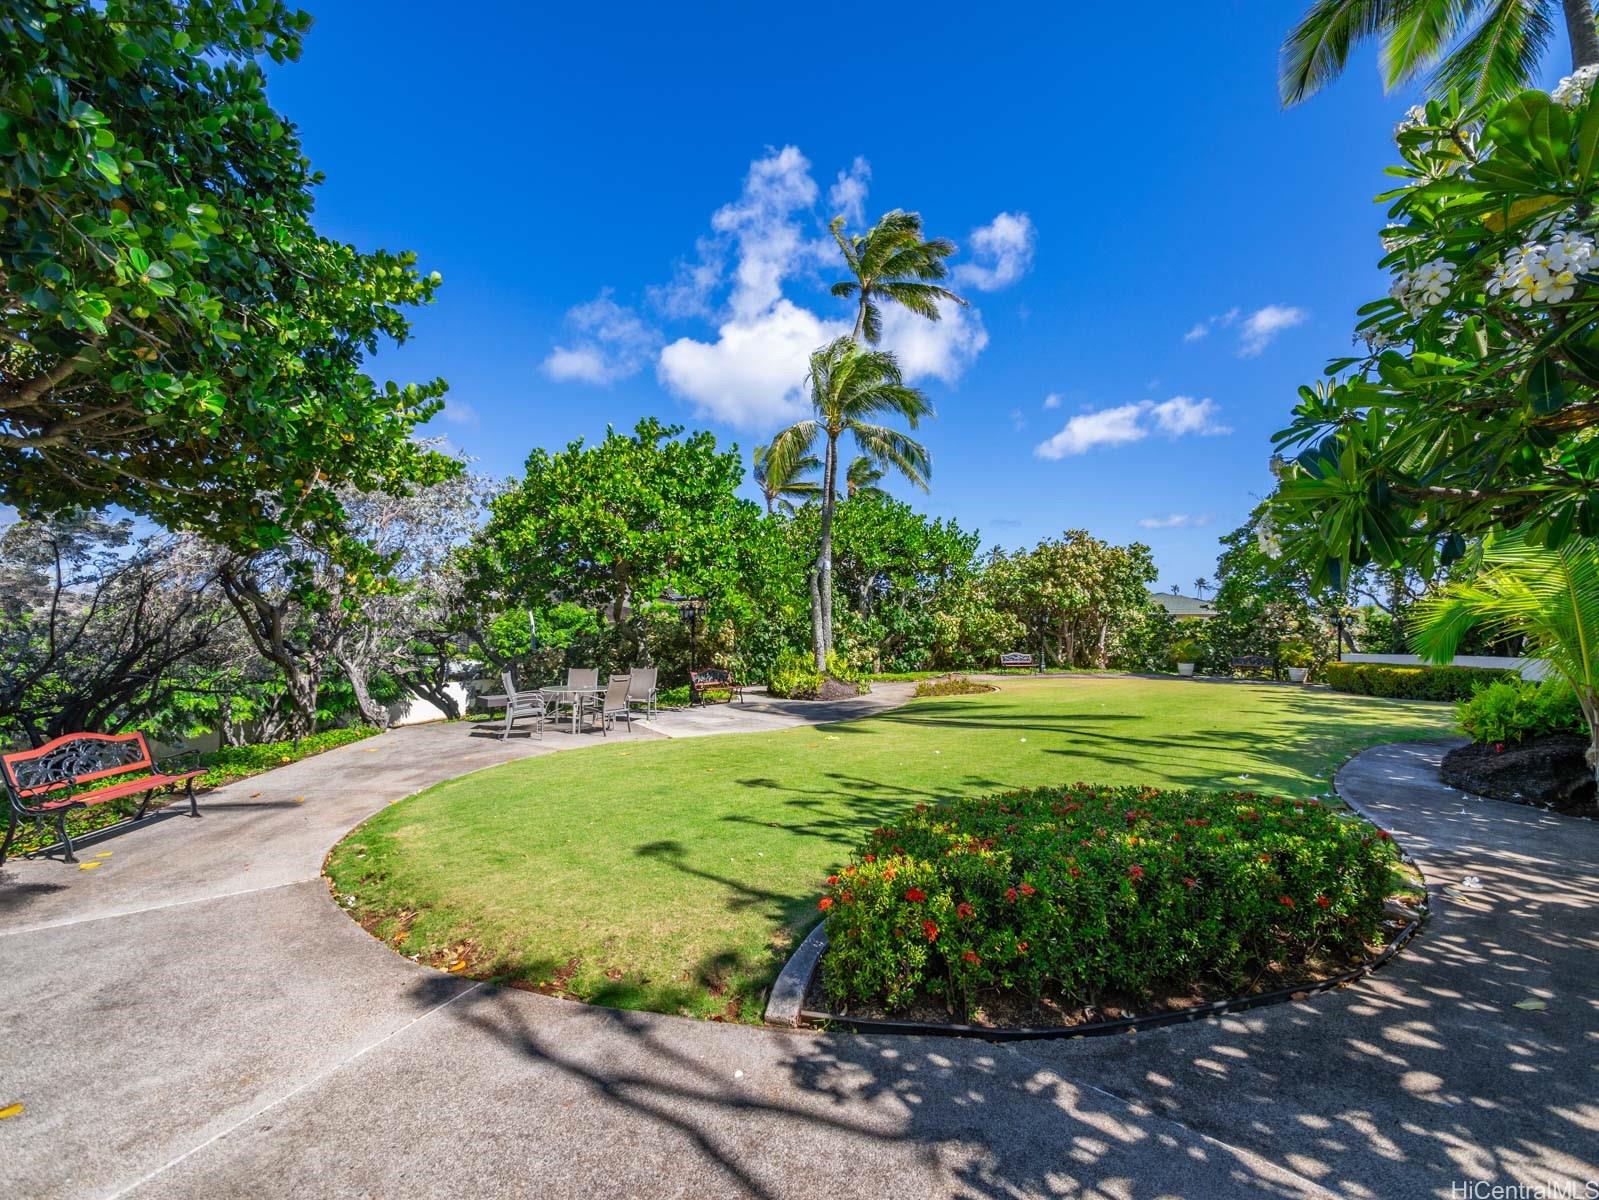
(786, 1006)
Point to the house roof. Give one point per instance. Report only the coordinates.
(1183, 606)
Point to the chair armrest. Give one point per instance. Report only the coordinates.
(192, 755)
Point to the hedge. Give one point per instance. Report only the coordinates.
(1084, 891)
(1411, 683)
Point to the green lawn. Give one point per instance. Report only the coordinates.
(676, 875)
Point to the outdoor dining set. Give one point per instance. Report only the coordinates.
(582, 699)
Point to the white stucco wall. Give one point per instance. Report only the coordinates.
(1530, 668)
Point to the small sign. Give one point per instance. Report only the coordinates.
(1015, 659)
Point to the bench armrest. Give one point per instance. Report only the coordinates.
(191, 755)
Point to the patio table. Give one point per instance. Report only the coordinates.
(574, 695)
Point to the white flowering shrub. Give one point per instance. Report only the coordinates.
(1476, 402)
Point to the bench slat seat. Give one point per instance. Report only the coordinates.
(46, 782)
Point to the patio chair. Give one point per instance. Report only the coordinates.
(530, 706)
(614, 704)
(578, 677)
(641, 690)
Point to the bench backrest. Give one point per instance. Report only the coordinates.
(74, 758)
(1251, 660)
(712, 676)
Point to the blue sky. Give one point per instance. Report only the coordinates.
(627, 204)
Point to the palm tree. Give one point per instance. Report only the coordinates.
(890, 261)
(1487, 48)
(863, 476)
(782, 482)
(1201, 586)
(849, 387)
(1550, 598)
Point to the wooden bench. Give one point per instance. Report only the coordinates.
(43, 784)
(1253, 662)
(714, 679)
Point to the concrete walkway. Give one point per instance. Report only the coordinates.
(197, 1018)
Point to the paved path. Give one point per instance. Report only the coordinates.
(197, 1019)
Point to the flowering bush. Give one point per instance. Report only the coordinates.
(1091, 890)
(1476, 399)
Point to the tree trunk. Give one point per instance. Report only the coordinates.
(824, 558)
(1582, 33)
(371, 711)
(818, 650)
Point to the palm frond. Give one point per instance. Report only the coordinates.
(1501, 56)
(1418, 34)
(1316, 49)
(895, 449)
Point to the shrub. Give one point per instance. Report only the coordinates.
(794, 676)
(841, 669)
(1296, 653)
(953, 685)
(1186, 650)
(1409, 683)
(1513, 710)
(1088, 890)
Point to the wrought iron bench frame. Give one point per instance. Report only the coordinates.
(42, 784)
(718, 679)
(1253, 662)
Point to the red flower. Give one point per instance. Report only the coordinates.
(1382, 835)
(930, 930)
(1265, 858)
(1499, 747)
(871, 858)
(1028, 889)
(1075, 872)
(963, 911)
(1021, 947)
(825, 903)
(832, 881)
(1010, 894)
(970, 956)
(1286, 901)
(889, 872)
(1323, 901)
(1136, 871)
(916, 895)
(1189, 882)
(847, 897)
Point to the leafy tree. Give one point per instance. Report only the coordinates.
(848, 388)
(891, 261)
(175, 337)
(1488, 48)
(98, 629)
(1477, 404)
(1548, 597)
(787, 482)
(1078, 591)
(1263, 599)
(617, 524)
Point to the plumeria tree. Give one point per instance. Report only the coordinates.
(1474, 404)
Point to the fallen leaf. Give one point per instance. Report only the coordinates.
(105, 854)
(1532, 1005)
(458, 966)
(89, 866)
(10, 1110)
(299, 799)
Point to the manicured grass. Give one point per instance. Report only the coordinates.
(677, 875)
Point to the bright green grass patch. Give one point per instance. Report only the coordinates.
(677, 875)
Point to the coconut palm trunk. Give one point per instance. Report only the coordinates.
(823, 635)
(1582, 32)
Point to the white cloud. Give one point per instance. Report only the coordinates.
(1018, 422)
(1052, 400)
(753, 375)
(1202, 329)
(1264, 324)
(1176, 521)
(940, 349)
(760, 224)
(1002, 252)
(1128, 423)
(459, 412)
(847, 197)
(611, 343)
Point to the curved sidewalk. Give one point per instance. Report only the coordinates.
(196, 1018)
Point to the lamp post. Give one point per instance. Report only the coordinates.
(691, 608)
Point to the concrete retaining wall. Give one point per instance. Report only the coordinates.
(1530, 668)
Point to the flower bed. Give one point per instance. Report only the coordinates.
(951, 685)
(1084, 893)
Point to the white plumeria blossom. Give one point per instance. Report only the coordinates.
(1574, 88)
(1425, 287)
(1544, 272)
(1415, 118)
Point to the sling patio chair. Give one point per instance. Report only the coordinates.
(641, 690)
(614, 704)
(531, 706)
(574, 703)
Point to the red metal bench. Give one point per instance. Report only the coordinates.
(42, 784)
(714, 679)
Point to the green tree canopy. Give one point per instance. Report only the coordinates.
(175, 337)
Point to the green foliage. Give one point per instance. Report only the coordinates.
(951, 685)
(1512, 710)
(1474, 407)
(1086, 890)
(794, 676)
(1188, 650)
(1408, 683)
(1297, 653)
(178, 339)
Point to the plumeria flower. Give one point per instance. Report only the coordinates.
(1574, 88)
(1415, 118)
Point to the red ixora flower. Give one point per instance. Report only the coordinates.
(1028, 889)
(1382, 835)
(915, 895)
(871, 858)
(1021, 947)
(930, 930)
(1190, 882)
(1010, 894)
(825, 903)
(1265, 858)
(832, 881)
(1136, 872)
(1286, 901)
(963, 911)
(1075, 872)
(1323, 901)
(970, 956)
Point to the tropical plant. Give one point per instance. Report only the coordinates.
(1481, 48)
(1548, 597)
(1514, 710)
(781, 482)
(176, 338)
(1476, 403)
(1201, 586)
(849, 387)
(891, 261)
(863, 477)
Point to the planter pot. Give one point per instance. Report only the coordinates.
(1298, 674)
(1185, 668)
